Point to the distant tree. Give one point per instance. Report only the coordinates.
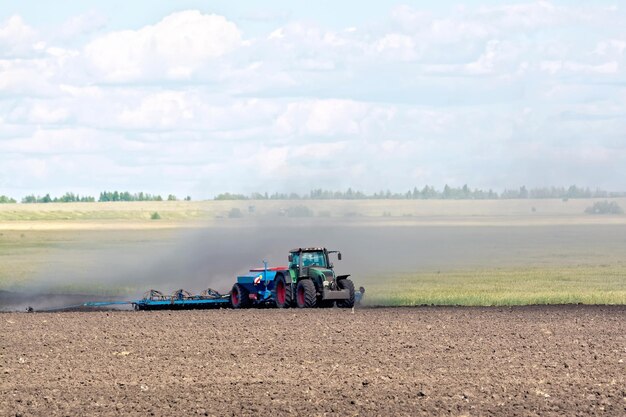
(523, 192)
(229, 196)
(68, 198)
(188, 198)
(171, 197)
(127, 196)
(510, 194)
(6, 200)
(466, 193)
(576, 192)
(429, 192)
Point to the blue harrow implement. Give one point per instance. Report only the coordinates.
(181, 300)
(156, 300)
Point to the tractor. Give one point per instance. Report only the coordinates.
(308, 281)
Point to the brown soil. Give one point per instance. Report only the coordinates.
(561, 360)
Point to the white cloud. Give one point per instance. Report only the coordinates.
(611, 48)
(37, 168)
(410, 19)
(398, 46)
(418, 95)
(277, 34)
(556, 67)
(193, 110)
(16, 37)
(525, 15)
(82, 92)
(44, 114)
(179, 46)
(486, 62)
(302, 40)
(162, 110)
(25, 78)
(323, 118)
(83, 24)
(57, 141)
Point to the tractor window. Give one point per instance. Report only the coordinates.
(313, 258)
(295, 260)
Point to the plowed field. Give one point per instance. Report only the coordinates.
(556, 360)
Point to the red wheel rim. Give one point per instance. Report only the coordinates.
(280, 293)
(301, 296)
(235, 297)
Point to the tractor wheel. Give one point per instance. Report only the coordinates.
(346, 284)
(239, 297)
(306, 295)
(283, 293)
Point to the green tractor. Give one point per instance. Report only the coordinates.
(310, 281)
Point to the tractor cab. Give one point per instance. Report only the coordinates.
(303, 258)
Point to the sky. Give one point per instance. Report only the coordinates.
(199, 98)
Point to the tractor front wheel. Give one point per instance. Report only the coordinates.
(346, 284)
(239, 297)
(283, 293)
(306, 295)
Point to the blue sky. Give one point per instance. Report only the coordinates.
(198, 98)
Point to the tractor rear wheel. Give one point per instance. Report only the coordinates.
(306, 295)
(283, 293)
(346, 284)
(239, 297)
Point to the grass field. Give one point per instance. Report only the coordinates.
(503, 287)
(418, 252)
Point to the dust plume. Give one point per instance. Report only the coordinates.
(212, 256)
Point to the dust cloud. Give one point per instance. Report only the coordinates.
(212, 257)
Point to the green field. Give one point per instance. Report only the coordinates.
(403, 252)
(502, 287)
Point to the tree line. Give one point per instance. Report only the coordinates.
(141, 196)
(66, 198)
(425, 193)
(431, 193)
(104, 196)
